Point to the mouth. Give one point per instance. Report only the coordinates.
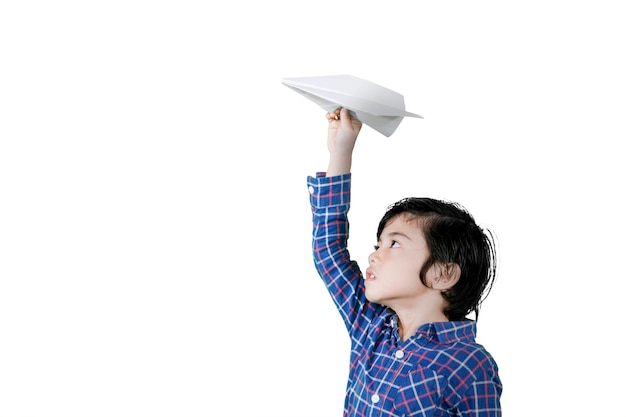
(369, 275)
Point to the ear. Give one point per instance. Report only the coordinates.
(446, 276)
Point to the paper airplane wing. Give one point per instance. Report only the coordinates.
(380, 108)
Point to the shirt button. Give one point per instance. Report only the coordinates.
(311, 189)
(375, 398)
(399, 354)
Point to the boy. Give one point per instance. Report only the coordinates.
(413, 351)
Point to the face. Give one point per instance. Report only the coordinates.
(392, 278)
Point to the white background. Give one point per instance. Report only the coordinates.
(154, 217)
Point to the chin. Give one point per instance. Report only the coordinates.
(372, 298)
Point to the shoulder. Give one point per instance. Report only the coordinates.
(468, 360)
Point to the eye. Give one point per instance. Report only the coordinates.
(394, 244)
(376, 247)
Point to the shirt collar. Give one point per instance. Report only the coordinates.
(444, 331)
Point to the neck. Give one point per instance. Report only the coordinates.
(410, 321)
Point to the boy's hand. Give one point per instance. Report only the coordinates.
(342, 133)
(342, 130)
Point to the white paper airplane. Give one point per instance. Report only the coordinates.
(378, 107)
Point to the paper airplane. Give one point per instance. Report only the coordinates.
(378, 107)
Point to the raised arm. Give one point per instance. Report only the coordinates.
(330, 203)
(342, 133)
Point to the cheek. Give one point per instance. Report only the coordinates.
(411, 267)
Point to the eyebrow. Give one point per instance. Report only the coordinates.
(395, 234)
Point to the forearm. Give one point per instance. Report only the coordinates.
(339, 163)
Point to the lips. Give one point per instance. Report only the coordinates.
(369, 275)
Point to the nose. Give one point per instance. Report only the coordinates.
(371, 258)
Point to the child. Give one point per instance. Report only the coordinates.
(413, 351)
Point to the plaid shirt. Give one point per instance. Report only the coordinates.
(439, 371)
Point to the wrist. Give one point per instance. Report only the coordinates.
(339, 164)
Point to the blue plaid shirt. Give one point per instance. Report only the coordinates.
(439, 371)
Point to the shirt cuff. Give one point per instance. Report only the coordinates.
(329, 191)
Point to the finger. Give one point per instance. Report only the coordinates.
(333, 116)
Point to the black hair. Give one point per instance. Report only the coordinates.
(453, 236)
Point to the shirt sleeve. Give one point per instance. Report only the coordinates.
(330, 203)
